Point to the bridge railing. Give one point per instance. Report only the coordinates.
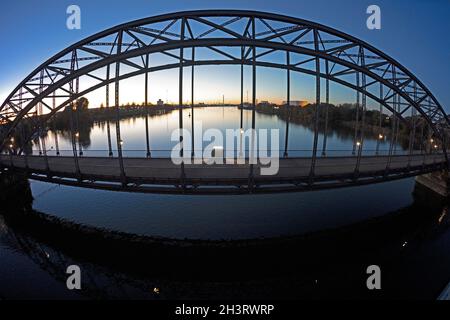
(162, 175)
(166, 153)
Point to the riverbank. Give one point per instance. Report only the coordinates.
(342, 119)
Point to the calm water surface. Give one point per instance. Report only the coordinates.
(418, 250)
(216, 217)
(161, 127)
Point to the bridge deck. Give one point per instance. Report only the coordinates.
(156, 171)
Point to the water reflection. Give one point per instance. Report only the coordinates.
(94, 141)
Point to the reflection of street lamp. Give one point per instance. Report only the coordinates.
(77, 134)
(380, 136)
(358, 143)
(11, 145)
(11, 152)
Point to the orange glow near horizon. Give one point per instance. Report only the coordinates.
(213, 84)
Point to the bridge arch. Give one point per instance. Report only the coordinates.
(342, 54)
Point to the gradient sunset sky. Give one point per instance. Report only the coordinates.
(413, 32)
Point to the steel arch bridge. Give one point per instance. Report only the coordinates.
(245, 38)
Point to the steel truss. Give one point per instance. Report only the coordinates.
(235, 38)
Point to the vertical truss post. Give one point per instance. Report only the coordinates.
(397, 127)
(192, 103)
(74, 143)
(422, 138)
(56, 135)
(180, 103)
(393, 128)
(39, 129)
(77, 104)
(147, 137)
(25, 154)
(316, 111)
(242, 87)
(422, 144)
(363, 116)
(39, 143)
(77, 90)
(108, 129)
(11, 162)
(327, 105)
(252, 139)
(429, 143)
(394, 124)
(11, 151)
(429, 140)
(414, 133)
(380, 135)
(355, 138)
(41, 124)
(72, 107)
(23, 130)
(412, 136)
(397, 109)
(117, 101)
(288, 103)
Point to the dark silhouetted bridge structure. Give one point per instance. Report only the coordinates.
(162, 176)
(231, 37)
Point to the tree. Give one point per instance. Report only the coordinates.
(82, 104)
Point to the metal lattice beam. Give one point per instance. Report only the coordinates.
(139, 38)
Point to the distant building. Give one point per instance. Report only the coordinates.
(266, 104)
(159, 103)
(246, 105)
(297, 103)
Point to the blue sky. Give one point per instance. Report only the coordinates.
(414, 32)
